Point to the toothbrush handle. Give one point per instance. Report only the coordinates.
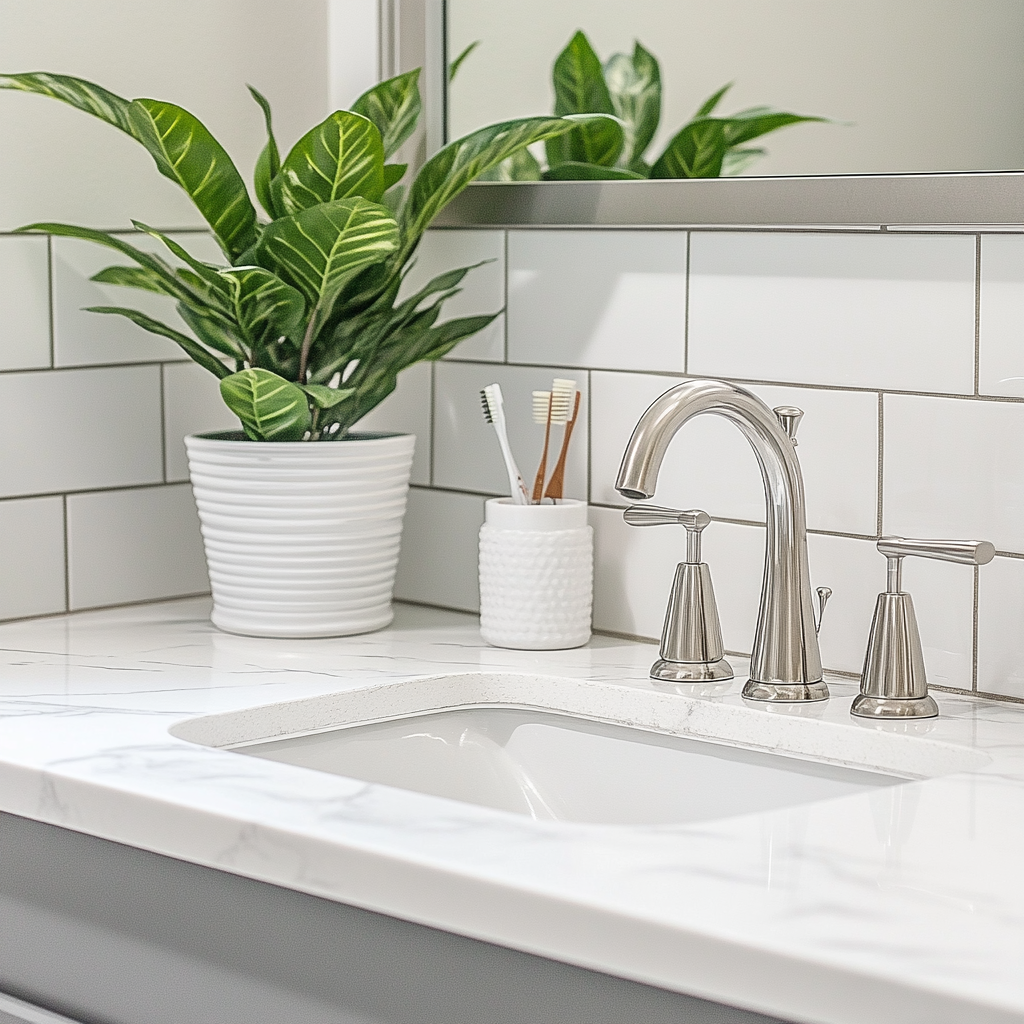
(557, 482)
(515, 480)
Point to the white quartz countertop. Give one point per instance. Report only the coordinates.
(903, 905)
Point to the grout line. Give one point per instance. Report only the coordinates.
(977, 314)
(504, 305)
(686, 310)
(590, 424)
(112, 607)
(439, 607)
(101, 490)
(67, 556)
(1009, 554)
(163, 424)
(50, 300)
(100, 366)
(433, 420)
(676, 374)
(880, 480)
(974, 652)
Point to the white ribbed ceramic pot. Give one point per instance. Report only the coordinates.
(536, 575)
(301, 537)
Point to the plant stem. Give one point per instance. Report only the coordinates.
(307, 342)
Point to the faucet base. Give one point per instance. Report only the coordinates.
(785, 693)
(894, 707)
(690, 671)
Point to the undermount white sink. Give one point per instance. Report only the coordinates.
(575, 750)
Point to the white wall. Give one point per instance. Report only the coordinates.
(929, 84)
(95, 508)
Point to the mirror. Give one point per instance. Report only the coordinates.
(919, 86)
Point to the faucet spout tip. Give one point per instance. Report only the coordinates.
(634, 495)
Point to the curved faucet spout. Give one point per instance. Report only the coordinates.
(785, 664)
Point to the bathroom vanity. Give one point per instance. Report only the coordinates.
(167, 856)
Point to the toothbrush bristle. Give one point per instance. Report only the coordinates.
(492, 401)
(486, 407)
(541, 404)
(562, 393)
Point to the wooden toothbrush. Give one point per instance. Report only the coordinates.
(557, 482)
(542, 414)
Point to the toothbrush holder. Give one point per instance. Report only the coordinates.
(536, 575)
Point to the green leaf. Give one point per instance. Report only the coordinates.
(579, 82)
(521, 166)
(132, 277)
(214, 332)
(696, 151)
(325, 397)
(342, 156)
(86, 96)
(320, 249)
(265, 308)
(573, 170)
(634, 84)
(191, 347)
(758, 121)
(598, 140)
(736, 161)
(453, 68)
(269, 162)
(270, 407)
(393, 174)
(207, 273)
(712, 101)
(186, 152)
(452, 168)
(394, 107)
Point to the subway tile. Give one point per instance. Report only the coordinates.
(1001, 309)
(874, 311)
(407, 410)
(466, 452)
(25, 302)
(67, 430)
(438, 563)
(954, 468)
(604, 299)
(483, 288)
(31, 557)
(192, 405)
(82, 338)
(710, 464)
(134, 545)
(1000, 637)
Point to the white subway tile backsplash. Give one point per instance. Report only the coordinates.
(407, 410)
(710, 464)
(24, 303)
(82, 338)
(1000, 637)
(438, 563)
(192, 405)
(1001, 316)
(870, 311)
(31, 557)
(602, 299)
(954, 468)
(483, 289)
(69, 430)
(134, 545)
(466, 452)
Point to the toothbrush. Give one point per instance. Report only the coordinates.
(494, 412)
(557, 481)
(542, 414)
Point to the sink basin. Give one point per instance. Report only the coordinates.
(558, 767)
(577, 750)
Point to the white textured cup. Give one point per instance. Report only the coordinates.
(536, 575)
(301, 537)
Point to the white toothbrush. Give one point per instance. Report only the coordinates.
(494, 412)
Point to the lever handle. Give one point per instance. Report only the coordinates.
(654, 515)
(789, 416)
(967, 552)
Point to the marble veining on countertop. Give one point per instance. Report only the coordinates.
(902, 905)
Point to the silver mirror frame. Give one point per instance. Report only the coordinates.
(413, 34)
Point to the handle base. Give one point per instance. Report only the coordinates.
(785, 693)
(666, 671)
(879, 708)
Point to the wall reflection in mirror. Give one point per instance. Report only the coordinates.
(922, 85)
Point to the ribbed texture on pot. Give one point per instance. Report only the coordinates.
(301, 538)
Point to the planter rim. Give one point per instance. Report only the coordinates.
(237, 437)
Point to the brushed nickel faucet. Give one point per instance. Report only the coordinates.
(785, 664)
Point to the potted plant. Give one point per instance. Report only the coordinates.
(304, 326)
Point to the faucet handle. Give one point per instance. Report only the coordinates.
(967, 552)
(789, 416)
(654, 515)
